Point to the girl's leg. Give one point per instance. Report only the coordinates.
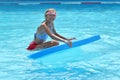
(47, 44)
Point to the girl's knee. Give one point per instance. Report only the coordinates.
(55, 42)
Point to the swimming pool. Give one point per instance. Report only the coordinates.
(95, 61)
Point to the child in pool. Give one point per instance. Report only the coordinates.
(47, 29)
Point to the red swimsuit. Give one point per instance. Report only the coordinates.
(32, 46)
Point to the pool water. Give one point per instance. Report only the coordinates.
(99, 60)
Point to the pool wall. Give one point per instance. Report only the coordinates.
(60, 1)
(55, 0)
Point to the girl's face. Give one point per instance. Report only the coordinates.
(50, 15)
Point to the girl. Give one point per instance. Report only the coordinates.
(47, 29)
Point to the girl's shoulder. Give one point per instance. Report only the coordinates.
(42, 25)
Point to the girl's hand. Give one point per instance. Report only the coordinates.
(68, 42)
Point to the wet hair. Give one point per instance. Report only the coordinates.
(51, 9)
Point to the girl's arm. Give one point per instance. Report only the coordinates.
(53, 36)
(54, 31)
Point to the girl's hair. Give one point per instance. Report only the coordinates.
(51, 9)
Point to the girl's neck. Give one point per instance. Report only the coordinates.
(48, 22)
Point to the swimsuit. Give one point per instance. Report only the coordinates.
(32, 46)
(42, 36)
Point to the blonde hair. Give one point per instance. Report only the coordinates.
(51, 9)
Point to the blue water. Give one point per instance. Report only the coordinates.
(99, 60)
